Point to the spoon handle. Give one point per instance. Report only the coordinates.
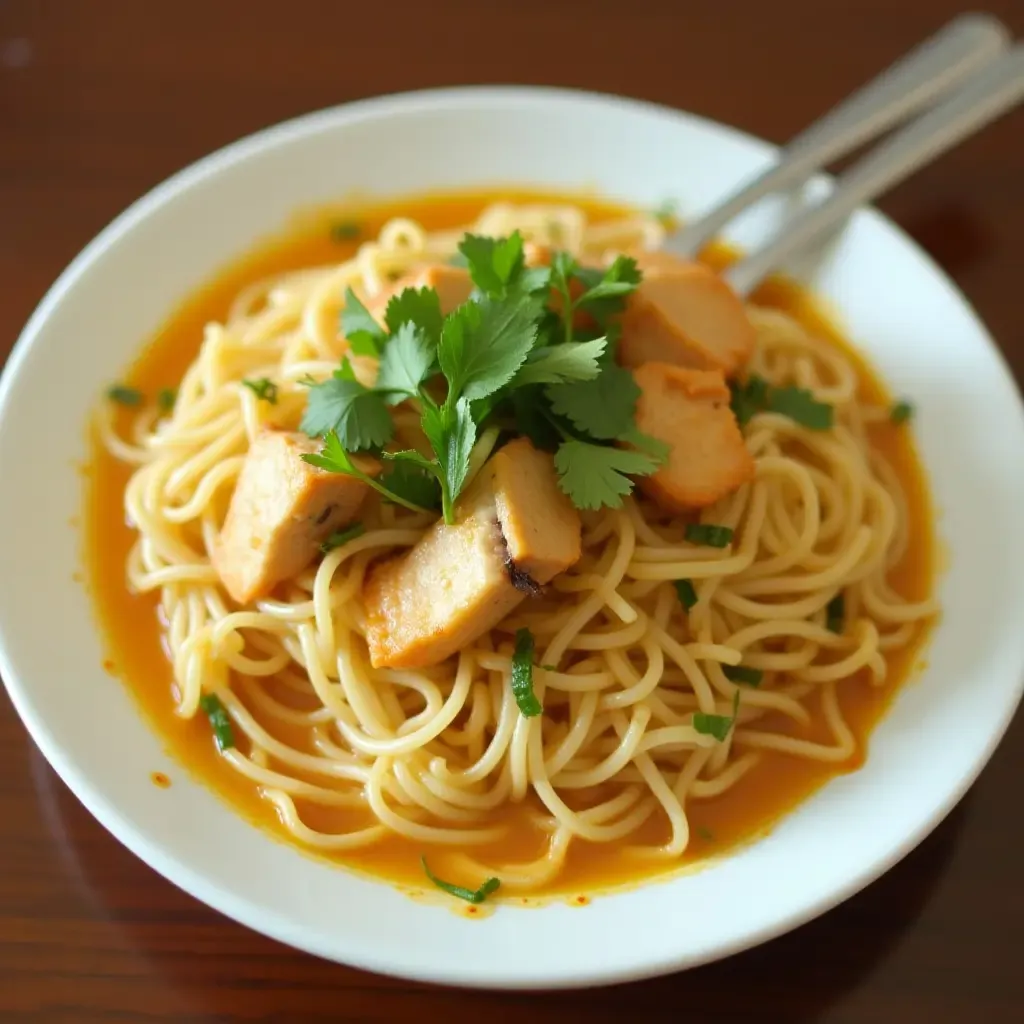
(985, 97)
(931, 69)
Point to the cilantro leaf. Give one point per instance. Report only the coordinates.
(418, 306)
(594, 475)
(550, 330)
(653, 446)
(414, 478)
(802, 407)
(561, 364)
(748, 398)
(406, 361)
(799, 404)
(603, 407)
(484, 343)
(563, 268)
(533, 279)
(493, 263)
(529, 409)
(362, 331)
(333, 458)
(359, 415)
(339, 537)
(451, 431)
(606, 291)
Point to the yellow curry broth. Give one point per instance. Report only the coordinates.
(132, 628)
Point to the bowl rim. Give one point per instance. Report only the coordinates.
(174, 867)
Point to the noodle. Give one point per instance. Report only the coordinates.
(433, 754)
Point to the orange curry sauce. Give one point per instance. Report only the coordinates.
(133, 634)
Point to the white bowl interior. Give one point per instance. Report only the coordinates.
(896, 305)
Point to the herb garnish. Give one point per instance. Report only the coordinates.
(508, 360)
(334, 459)
(263, 388)
(709, 535)
(166, 398)
(339, 537)
(743, 675)
(717, 725)
(460, 892)
(522, 675)
(124, 395)
(757, 395)
(687, 593)
(901, 412)
(219, 720)
(835, 614)
(345, 231)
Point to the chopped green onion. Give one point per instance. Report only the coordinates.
(705, 833)
(219, 719)
(166, 399)
(339, 537)
(901, 412)
(743, 675)
(801, 407)
(460, 892)
(708, 535)
(345, 231)
(124, 395)
(687, 593)
(522, 675)
(263, 388)
(717, 725)
(835, 614)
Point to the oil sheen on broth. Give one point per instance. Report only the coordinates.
(134, 633)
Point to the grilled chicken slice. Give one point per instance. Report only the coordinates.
(514, 531)
(684, 313)
(281, 511)
(689, 410)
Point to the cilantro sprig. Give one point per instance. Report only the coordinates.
(531, 351)
(335, 459)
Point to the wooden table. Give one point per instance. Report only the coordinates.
(100, 100)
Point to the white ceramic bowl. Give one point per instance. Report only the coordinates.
(896, 304)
